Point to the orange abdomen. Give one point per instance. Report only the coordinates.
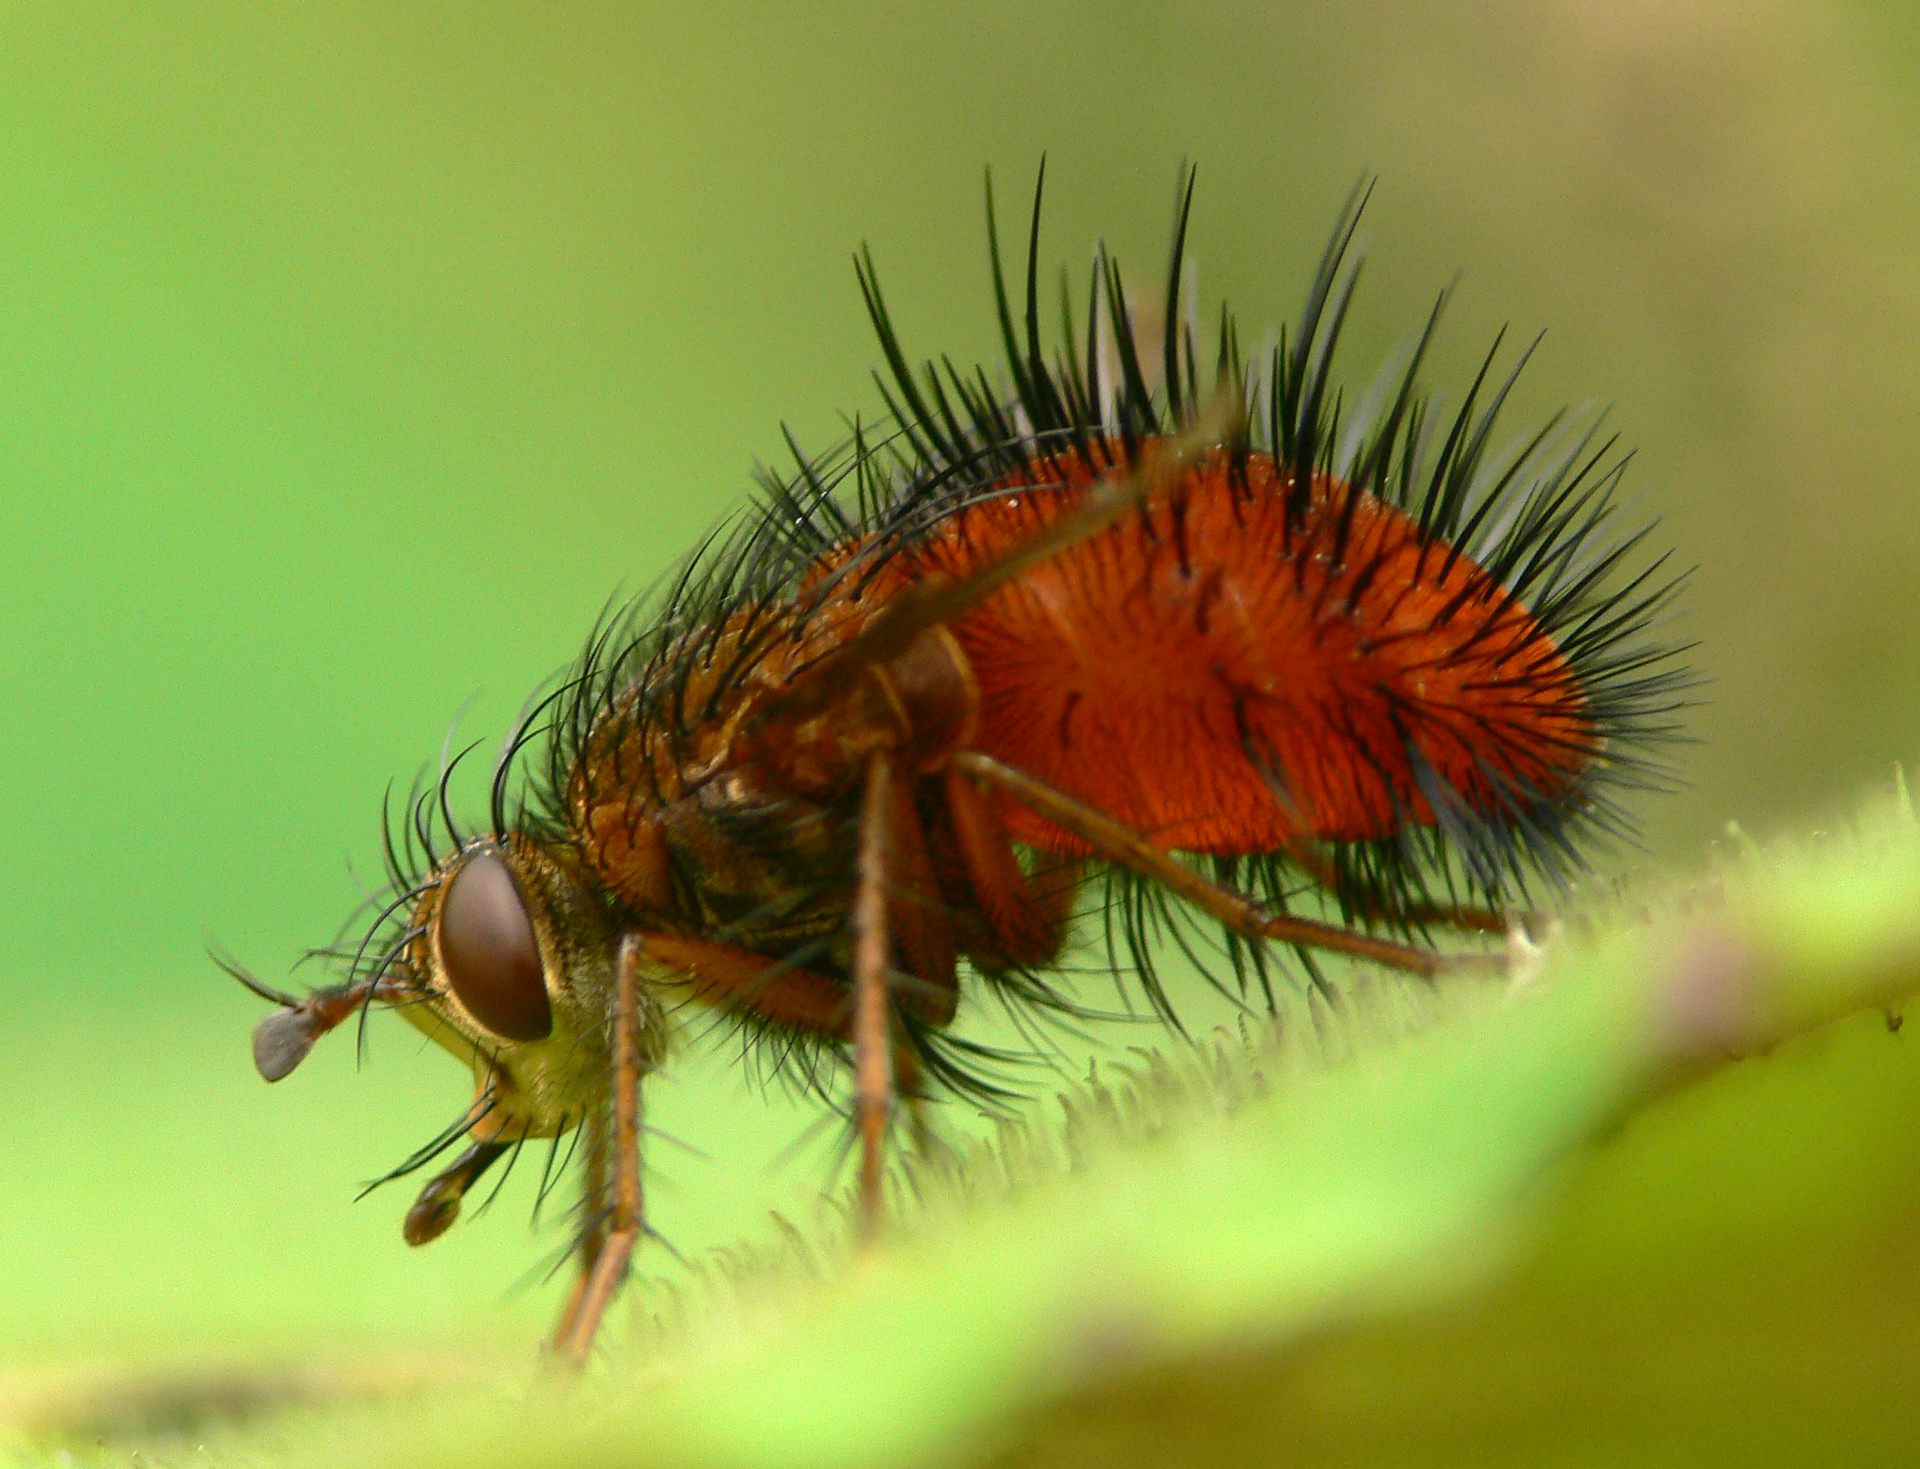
(1224, 684)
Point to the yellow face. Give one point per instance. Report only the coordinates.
(512, 957)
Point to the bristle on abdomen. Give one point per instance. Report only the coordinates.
(1231, 674)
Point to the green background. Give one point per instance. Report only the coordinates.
(351, 357)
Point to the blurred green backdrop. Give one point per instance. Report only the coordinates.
(351, 356)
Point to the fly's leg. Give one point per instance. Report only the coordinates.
(792, 998)
(918, 923)
(593, 1218)
(747, 982)
(1439, 915)
(890, 632)
(873, 1078)
(609, 1262)
(1117, 842)
(1027, 915)
(736, 979)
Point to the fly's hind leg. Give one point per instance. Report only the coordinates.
(1025, 914)
(1115, 841)
(1432, 915)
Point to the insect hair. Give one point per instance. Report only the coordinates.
(1537, 520)
(1539, 517)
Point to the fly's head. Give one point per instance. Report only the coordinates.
(509, 957)
(503, 952)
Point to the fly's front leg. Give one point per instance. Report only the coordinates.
(608, 1267)
(593, 1225)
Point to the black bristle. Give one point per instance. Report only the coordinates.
(1538, 524)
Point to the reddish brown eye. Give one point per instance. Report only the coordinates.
(492, 958)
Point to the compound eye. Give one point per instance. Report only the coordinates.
(491, 956)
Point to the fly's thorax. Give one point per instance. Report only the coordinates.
(728, 857)
(652, 744)
(515, 958)
(724, 796)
